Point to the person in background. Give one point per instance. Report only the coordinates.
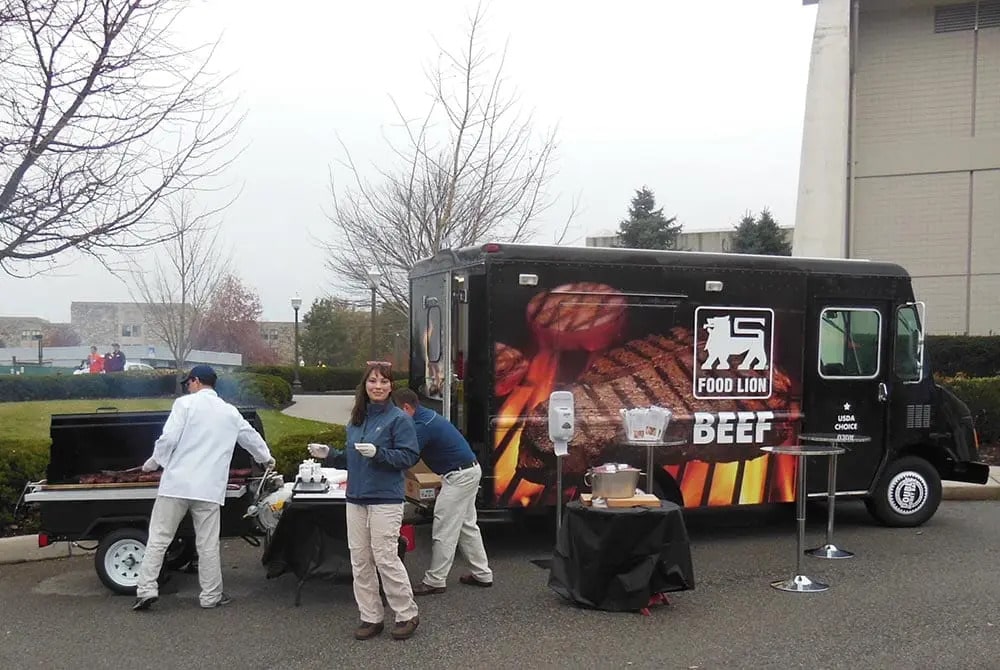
(95, 361)
(195, 450)
(381, 443)
(115, 360)
(446, 452)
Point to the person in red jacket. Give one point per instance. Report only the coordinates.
(96, 361)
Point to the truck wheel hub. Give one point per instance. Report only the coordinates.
(907, 492)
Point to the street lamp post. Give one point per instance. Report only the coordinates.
(296, 303)
(374, 280)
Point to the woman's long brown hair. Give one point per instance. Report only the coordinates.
(361, 394)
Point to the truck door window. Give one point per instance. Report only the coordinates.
(433, 334)
(849, 343)
(908, 355)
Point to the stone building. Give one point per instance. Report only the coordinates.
(901, 149)
(102, 323)
(24, 331)
(280, 336)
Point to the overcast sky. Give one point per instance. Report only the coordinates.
(701, 101)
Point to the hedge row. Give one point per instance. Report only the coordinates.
(320, 380)
(982, 395)
(950, 355)
(241, 388)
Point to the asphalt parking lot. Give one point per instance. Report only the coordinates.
(913, 598)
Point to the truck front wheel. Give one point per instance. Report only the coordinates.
(908, 494)
(118, 558)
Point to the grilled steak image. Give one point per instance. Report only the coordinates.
(653, 370)
(509, 368)
(581, 315)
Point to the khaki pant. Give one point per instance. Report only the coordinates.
(455, 526)
(167, 515)
(373, 538)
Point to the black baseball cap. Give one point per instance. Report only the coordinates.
(204, 373)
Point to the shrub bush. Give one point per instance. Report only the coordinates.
(254, 390)
(291, 450)
(21, 461)
(980, 393)
(950, 355)
(240, 388)
(18, 388)
(319, 380)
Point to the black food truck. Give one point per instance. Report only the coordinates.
(744, 350)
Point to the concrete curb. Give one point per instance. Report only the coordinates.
(24, 548)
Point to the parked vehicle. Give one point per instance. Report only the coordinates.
(744, 350)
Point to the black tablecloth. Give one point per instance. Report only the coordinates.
(311, 541)
(616, 559)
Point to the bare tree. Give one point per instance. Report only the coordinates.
(102, 116)
(177, 290)
(473, 168)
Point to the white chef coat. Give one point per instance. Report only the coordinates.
(197, 443)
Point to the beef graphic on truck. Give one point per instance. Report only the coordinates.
(745, 351)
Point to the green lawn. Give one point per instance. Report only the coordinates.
(30, 420)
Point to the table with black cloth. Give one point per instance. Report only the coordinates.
(621, 559)
(310, 540)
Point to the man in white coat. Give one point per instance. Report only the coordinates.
(194, 451)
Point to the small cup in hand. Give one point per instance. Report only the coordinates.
(318, 450)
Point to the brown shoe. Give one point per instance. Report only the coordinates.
(367, 631)
(404, 630)
(469, 580)
(422, 589)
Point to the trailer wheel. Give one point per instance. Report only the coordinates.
(180, 552)
(118, 558)
(907, 495)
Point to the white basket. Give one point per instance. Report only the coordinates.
(645, 424)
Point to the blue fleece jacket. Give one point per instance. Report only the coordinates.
(379, 480)
(442, 446)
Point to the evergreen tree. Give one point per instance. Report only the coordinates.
(646, 227)
(760, 235)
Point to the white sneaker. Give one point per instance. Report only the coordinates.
(221, 602)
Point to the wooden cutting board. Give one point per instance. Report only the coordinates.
(644, 500)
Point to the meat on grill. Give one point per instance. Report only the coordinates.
(236, 476)
(581, 315)
(510, 365)
(654, 370)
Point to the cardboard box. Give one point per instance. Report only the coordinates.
(421, 484)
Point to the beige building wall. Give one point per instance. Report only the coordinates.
(925, 188)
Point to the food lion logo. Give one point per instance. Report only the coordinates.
(733, 348)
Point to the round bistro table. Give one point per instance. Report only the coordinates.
(650, 445)
(830, 550)
(798, 582)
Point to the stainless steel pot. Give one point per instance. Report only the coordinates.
(605, 482)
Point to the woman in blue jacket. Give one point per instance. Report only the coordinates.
(381, 445)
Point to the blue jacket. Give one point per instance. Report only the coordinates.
(379, 480)
(442, 446)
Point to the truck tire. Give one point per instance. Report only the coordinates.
(908, 493)
(118, 558)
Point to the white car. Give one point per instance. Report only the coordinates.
(138, 367)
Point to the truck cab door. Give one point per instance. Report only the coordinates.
(847, 372)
